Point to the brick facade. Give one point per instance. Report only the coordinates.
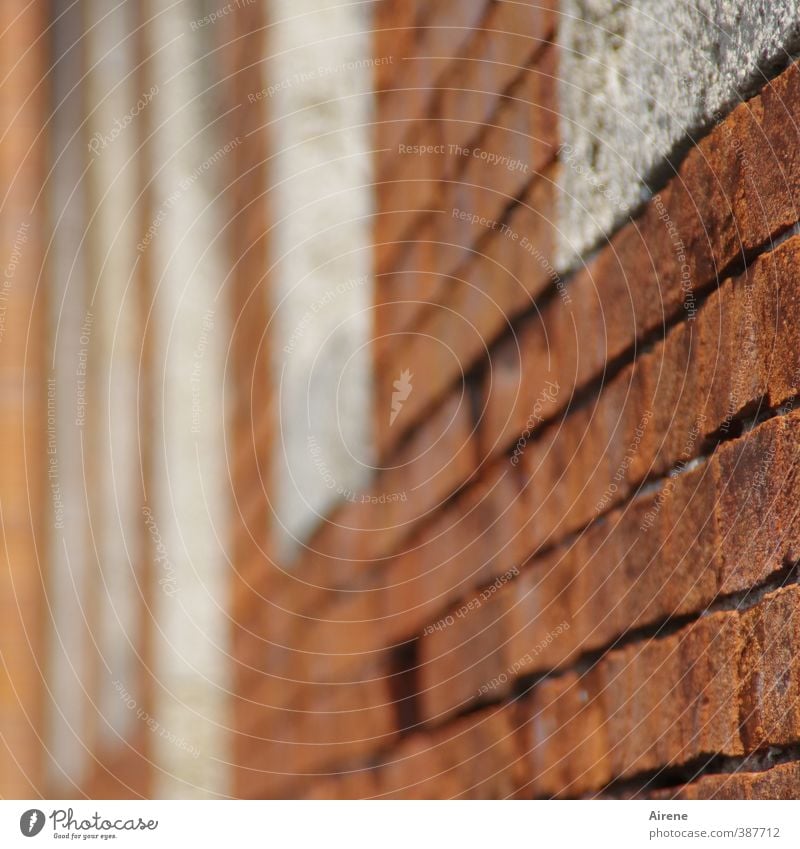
(587, 584)
(571, 567)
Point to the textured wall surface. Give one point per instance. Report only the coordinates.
(639, 83)
(318, 94)
(572, 572)
(439, 431)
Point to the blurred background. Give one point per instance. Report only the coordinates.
(143, 324)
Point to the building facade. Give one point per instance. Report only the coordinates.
(400, 400)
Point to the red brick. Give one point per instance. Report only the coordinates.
(564, 738)
(422, 581)
(778, 297)
(709, 652)
(433, 464)
(541, 619)
(491, 287)
(594, 605)
(640, 550)
(770, 710)
(690, 557)
(507, 399)
(755, 521)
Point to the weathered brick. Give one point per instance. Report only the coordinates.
(709, 653)
(754, 519)
(690, 555)
(770, 699)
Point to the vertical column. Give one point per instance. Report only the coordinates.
(190, 146)
(23, 113)
(252, 418)
(113, 336)
(318, 90)
(70, 706)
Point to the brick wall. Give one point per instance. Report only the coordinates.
(573, 572)
(572, 569)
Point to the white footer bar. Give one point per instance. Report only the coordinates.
(410, 825)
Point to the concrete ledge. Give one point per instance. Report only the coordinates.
(638, 82)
